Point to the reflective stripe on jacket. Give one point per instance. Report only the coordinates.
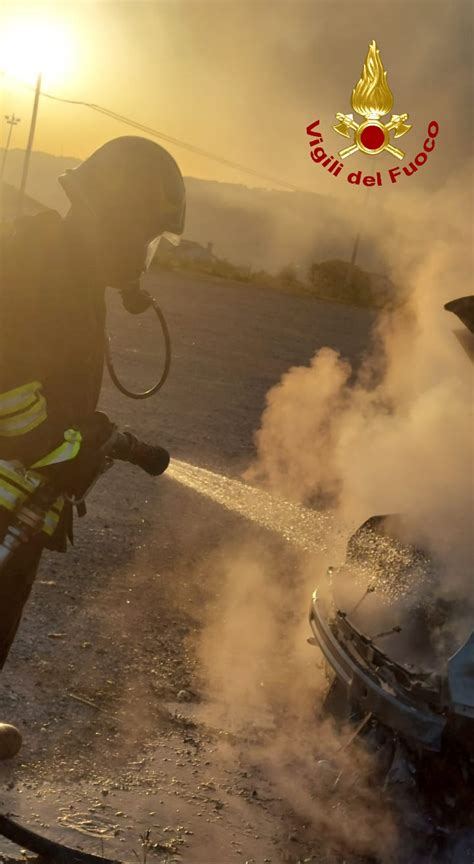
(22, 410)
(65, 452)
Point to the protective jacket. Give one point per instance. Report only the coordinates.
(52, 320)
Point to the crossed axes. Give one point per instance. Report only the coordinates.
(346, 122)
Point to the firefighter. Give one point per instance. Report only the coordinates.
(53, 276)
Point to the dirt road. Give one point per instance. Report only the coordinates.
(104, 678)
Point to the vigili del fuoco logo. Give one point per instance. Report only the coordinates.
(372, 99)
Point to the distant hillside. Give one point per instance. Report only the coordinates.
(43, 176)
(9, 203)
(269, 229)
(252, 227)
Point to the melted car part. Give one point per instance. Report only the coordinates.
(413, 704)
(461, 679)
(426, 708)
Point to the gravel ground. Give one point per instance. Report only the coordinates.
(103, 679)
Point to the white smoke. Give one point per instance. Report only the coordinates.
(395, 436)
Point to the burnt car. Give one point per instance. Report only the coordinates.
(399, 674)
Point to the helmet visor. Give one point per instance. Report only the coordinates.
(174, 239)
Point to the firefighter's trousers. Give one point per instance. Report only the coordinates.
(16, 582)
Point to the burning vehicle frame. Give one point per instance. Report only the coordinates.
(423, 707)
(418, 716)
(417, 723)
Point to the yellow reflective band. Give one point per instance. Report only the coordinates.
(19, 398)
(65, 452)
(58, 505)
(10, 496)
(50, 524)
(52, 517)
(27, 419)
(28, 481)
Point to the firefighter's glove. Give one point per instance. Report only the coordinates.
(95, 430)
(76, 475)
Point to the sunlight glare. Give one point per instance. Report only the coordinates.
(29, 46)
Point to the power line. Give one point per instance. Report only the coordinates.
(177, 142)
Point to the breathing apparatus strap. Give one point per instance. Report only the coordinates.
(138, 301)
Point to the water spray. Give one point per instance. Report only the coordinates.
(302, 527)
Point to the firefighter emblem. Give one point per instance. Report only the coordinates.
(372, 99)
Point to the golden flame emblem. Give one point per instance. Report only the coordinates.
(372, 98)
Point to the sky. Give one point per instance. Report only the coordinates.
(241, 79)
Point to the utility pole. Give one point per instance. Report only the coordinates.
(29, 147)
(351, 267)
(12, 121)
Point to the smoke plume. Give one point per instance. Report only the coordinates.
(393, 435)
(265, 686)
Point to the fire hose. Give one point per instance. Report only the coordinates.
(49, 850)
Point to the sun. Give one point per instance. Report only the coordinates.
(29, 46)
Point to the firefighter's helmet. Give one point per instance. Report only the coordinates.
(134, 181)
